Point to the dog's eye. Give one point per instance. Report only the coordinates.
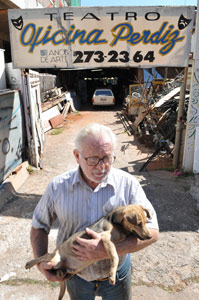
(140, 224)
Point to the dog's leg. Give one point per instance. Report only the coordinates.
(47, 257)
(112, 253)
(54, 257)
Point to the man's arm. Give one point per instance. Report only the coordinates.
(39, 242)
(94, 249)
(133, 244)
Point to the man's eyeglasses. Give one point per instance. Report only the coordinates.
(94, 160)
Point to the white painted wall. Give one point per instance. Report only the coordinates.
(26, 3)
(2, 70)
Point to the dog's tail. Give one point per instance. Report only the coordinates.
(62, 289)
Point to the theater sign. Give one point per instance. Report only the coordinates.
(92, 37)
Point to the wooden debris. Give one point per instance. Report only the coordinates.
(167, 97)
(57, 120)
(52, 102)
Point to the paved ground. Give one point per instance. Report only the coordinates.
(167, 270)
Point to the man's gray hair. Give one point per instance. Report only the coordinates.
(94, 129)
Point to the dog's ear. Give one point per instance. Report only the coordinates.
(146, 211)
(118, 216)
(132, 218)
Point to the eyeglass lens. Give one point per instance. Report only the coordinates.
(92, 161)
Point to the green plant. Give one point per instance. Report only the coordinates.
(187, 174)
(56, 131)
(22, 281)
(169, 169)
(30, 169)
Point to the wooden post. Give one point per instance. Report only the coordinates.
(180, 120)
(193, 110)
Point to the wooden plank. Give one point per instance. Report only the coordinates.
(141, 115)
(47, 115)
(49, 104)
(66, 109)
(167, 97)
(57, 120)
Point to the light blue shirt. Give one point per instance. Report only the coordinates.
(76, 206)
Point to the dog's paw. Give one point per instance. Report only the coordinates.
(60, 274)
(112, 280)
(31, 263)
(64, 274)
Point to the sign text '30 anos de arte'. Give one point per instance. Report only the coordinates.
(75, 37)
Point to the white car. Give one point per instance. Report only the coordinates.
(103, 97)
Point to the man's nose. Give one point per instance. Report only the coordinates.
(101, 163)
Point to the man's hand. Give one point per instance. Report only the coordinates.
(47, 269)
(89, 249)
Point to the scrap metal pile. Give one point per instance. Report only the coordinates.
(152, 113)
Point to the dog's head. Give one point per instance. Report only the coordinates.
(133, 219)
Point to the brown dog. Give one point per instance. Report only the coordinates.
(114, 227)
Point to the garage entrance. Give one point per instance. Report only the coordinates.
(89, 47)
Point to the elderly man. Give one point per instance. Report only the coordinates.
(79, 198)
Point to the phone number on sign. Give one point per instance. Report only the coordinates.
(112, 56)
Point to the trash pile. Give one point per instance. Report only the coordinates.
(55, 110)
(55, 103)
(152, 113)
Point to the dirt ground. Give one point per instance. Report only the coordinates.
(167, 270)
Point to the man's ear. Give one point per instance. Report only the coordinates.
(76, 154)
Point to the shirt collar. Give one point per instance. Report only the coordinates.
(108, 180)
(77, 175)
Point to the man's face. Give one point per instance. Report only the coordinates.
(95, 147)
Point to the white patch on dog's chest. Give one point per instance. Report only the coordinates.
(57, 258)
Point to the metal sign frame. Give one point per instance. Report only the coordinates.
(93, 37)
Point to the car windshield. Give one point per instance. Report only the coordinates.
(103, 93)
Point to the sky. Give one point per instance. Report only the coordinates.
(137, 3)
